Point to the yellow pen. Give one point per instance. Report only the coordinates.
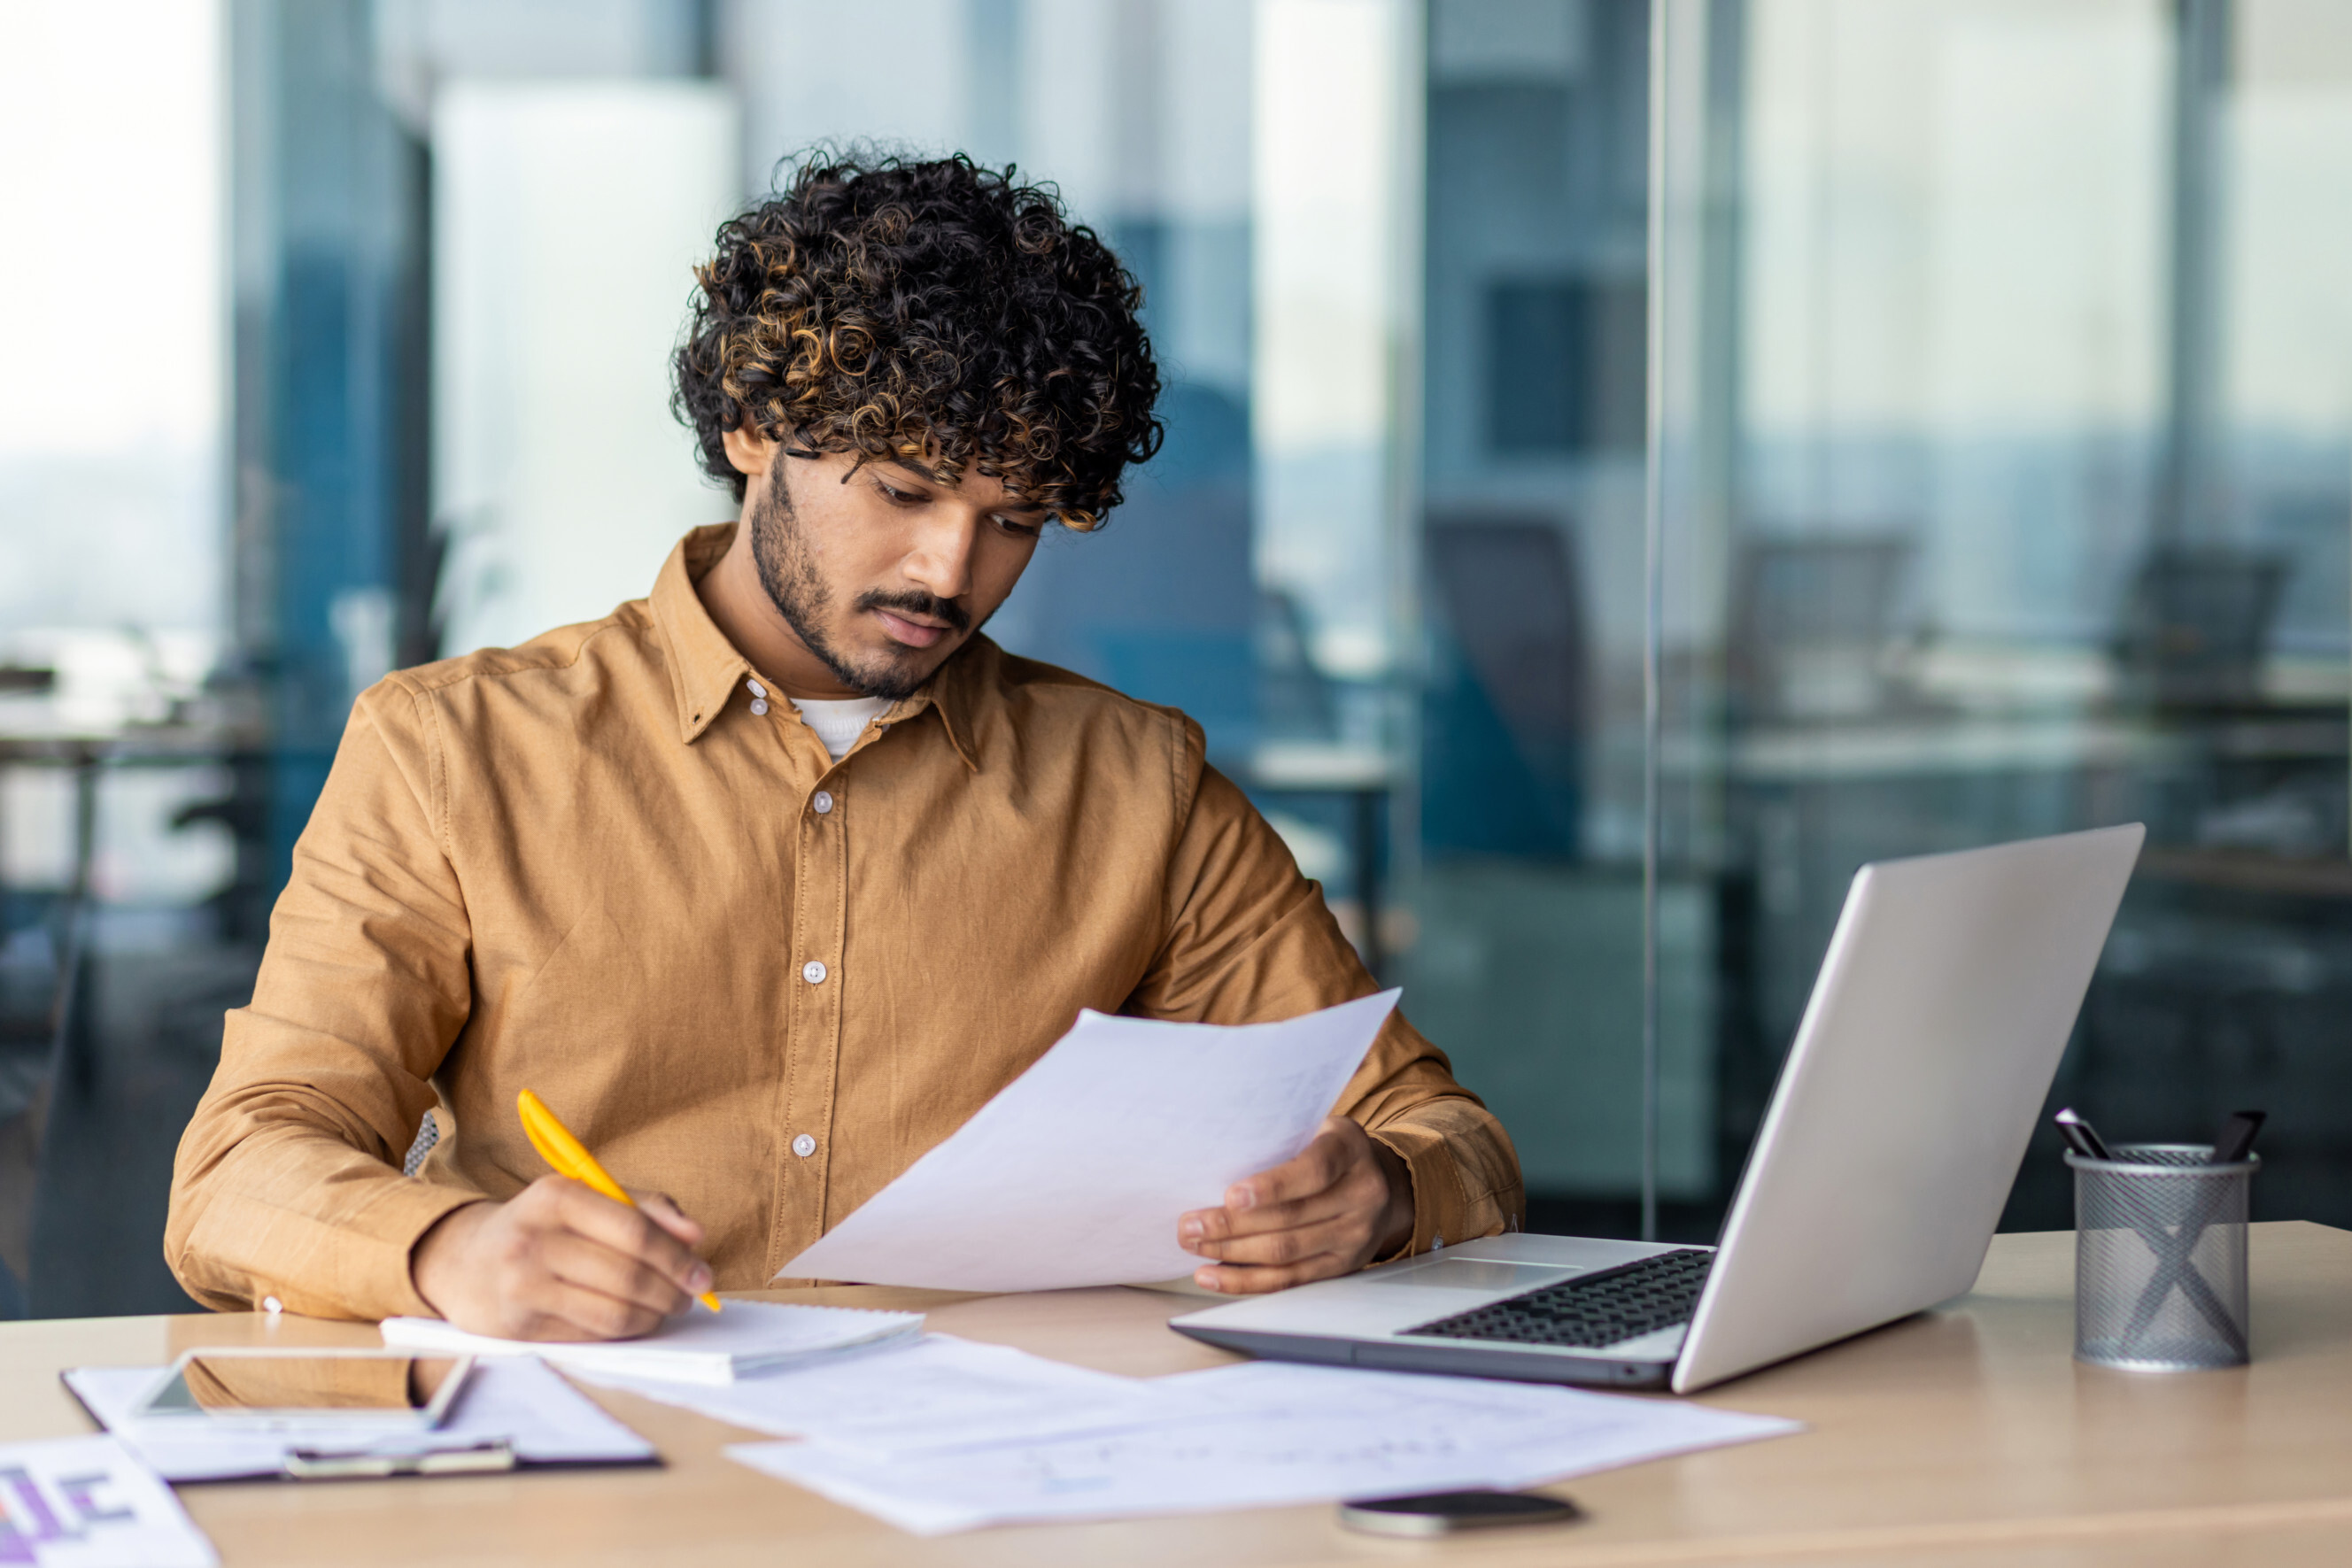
(559, 1149)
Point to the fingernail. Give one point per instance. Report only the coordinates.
(1189, 1229)
(1205, 1278)
(699, 1281)
(1242, 1197)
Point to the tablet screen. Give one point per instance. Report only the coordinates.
(222, 1384)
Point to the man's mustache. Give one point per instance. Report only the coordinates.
(914, 602)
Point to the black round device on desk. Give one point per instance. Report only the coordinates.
(1446, 1512)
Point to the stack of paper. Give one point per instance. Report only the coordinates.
(88, 1502)
(700, 1347)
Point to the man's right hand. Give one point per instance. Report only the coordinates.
(558, 1262)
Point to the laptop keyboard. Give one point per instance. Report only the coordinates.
(1606, 1307)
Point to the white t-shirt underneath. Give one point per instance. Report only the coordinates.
(839, 722)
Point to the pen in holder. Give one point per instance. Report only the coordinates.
(2160, 1258)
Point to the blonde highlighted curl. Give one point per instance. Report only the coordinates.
(931, 313)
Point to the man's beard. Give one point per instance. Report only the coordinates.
(788, 572)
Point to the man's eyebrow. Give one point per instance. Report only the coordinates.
(915, 473)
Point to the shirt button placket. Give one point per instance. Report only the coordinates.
(819, 921)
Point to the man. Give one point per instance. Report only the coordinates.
(767, 882)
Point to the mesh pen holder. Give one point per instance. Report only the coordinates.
(2160, 1259)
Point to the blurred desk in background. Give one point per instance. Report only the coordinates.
(87, 757)
(1912, 745)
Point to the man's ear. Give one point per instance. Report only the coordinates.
(749, 451)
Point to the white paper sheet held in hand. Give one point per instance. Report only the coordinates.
(1077, 1172)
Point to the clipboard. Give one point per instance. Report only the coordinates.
(515, 1414)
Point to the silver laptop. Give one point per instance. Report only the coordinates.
(1933, 1031)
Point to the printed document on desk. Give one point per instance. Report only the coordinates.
(700, 1347)
(1077, 1172)
(86, 1502)
(1264, 1434)
(921, 1397)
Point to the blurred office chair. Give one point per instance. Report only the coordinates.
(1812, 624)
(37, 1044)
(1505, 739)
(1295, 698)
(2196, 625)
(34, 1047)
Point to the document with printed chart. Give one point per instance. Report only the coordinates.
(1264, 1434)
(87, 1503)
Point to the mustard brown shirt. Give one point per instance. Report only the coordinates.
(746, 975)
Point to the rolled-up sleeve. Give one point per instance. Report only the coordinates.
(288, 1181)
(1250, 939)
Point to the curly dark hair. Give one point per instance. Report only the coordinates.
(934, 313)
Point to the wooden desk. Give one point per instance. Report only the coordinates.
(1961, 1438)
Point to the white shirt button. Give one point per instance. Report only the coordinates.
(824, 802)
(804, 1145)
(759, 707)
(812, 972)
(755, 688)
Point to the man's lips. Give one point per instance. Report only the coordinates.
(913, 633)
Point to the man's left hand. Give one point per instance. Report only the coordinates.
(1340, 1204)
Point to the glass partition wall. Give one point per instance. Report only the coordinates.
(2005, 469)
(1527, 892)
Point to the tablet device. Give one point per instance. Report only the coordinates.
(257, 1390)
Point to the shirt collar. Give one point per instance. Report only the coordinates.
(952, 694)
(705, 668)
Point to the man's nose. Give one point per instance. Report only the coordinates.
(940, 562)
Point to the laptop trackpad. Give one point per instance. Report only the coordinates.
(1476, 1274)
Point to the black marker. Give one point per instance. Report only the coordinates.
(2080, 1137)
(2237, 1139)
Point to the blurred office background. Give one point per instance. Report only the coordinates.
(1977, 374)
